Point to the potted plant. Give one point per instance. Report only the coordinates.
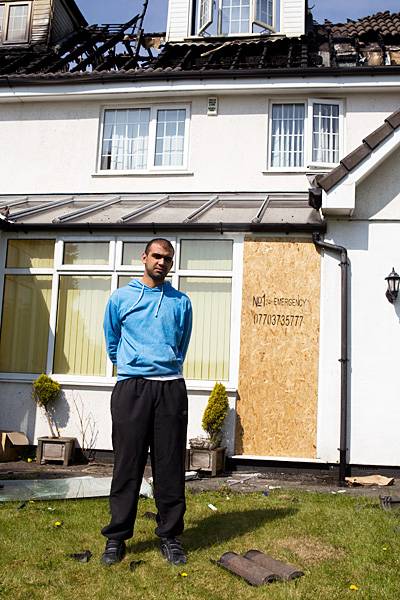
(45, 392)
(206, 452)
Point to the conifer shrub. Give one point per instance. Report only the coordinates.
(45, 393)
(215, 413)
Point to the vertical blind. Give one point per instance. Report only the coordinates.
(25, 323)
(208, 355)
(170, 137)
(80, 348)
(27, 254)
(287, 137)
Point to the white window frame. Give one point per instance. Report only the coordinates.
(215, 13)
(151, 166)
(308, 138)
(114, 270)
(311, 103)
(6, 16)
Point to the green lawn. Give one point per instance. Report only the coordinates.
(338, 541)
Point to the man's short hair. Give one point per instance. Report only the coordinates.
(162, 242)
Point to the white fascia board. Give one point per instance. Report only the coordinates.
(126, 89)
(341, 198)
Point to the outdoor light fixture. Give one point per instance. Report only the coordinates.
(393, 286)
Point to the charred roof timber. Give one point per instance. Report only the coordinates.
(124, 50)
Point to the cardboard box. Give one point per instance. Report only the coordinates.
(10, 444)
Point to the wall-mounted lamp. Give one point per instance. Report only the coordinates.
(393, 280)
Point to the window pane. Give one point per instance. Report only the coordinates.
(25, 323)
(86, 253)
(325, 133)
(17, 30)
(80, 348)
(235, 16)
(170, 137)
(206, 254)
(287, 135)
(125, 139)
(264, 11)
(125, 279)
(208, 355)
(131, 253)
(26, 254)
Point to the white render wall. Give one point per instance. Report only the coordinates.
(372, 240)
(52, 147)
(89, 405)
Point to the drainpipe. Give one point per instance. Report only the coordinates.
(344, 360)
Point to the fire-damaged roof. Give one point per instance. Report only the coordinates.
(124, 51)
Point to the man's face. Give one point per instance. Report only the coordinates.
(158, 262)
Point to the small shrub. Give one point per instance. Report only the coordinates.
(215, 412)
(45, 393)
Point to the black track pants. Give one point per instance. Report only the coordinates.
(145, 414)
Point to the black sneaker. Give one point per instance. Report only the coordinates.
(171, 549)
(114, 552)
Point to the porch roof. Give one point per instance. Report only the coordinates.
(155, 212)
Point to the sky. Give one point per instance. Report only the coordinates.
(120, 11)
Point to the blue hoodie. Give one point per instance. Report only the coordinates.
(147, 330)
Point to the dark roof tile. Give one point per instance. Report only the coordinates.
(356, 157)
(352, 160)
(378, 136)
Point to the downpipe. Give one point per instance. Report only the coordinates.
(344, 360)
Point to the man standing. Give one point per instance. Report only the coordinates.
(147, 327)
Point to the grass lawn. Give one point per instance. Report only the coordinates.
(338, 541)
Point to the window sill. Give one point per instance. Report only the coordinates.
(303, 170)
(104, 382)
(141, 173)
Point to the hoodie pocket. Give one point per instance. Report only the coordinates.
(158, 355)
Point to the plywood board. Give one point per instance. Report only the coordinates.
(278, 377)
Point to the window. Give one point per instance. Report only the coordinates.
(303, 134)
(137, 139)
(14, 22)
(55, 293)
(230, 17)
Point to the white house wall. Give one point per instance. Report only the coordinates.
(372, 240)
(88, 407)
(58, 144)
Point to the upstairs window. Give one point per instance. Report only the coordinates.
(306, 134)
(139, 139)
(14, 22)
(230, 17)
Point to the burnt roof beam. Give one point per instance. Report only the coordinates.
(114, 39)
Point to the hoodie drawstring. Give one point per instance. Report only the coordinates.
(160, 300)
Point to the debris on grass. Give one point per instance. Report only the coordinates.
(353, 587)
(57, 524)
(380, 480)
(150, 515)
(283, 570)
(389, 502)
(212, 507)
(183, 574)
(134, 564)
(82, 557)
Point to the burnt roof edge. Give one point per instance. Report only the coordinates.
(105, 77)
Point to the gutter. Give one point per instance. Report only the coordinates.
(344, 360)
(158, 227)
(168, 74)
